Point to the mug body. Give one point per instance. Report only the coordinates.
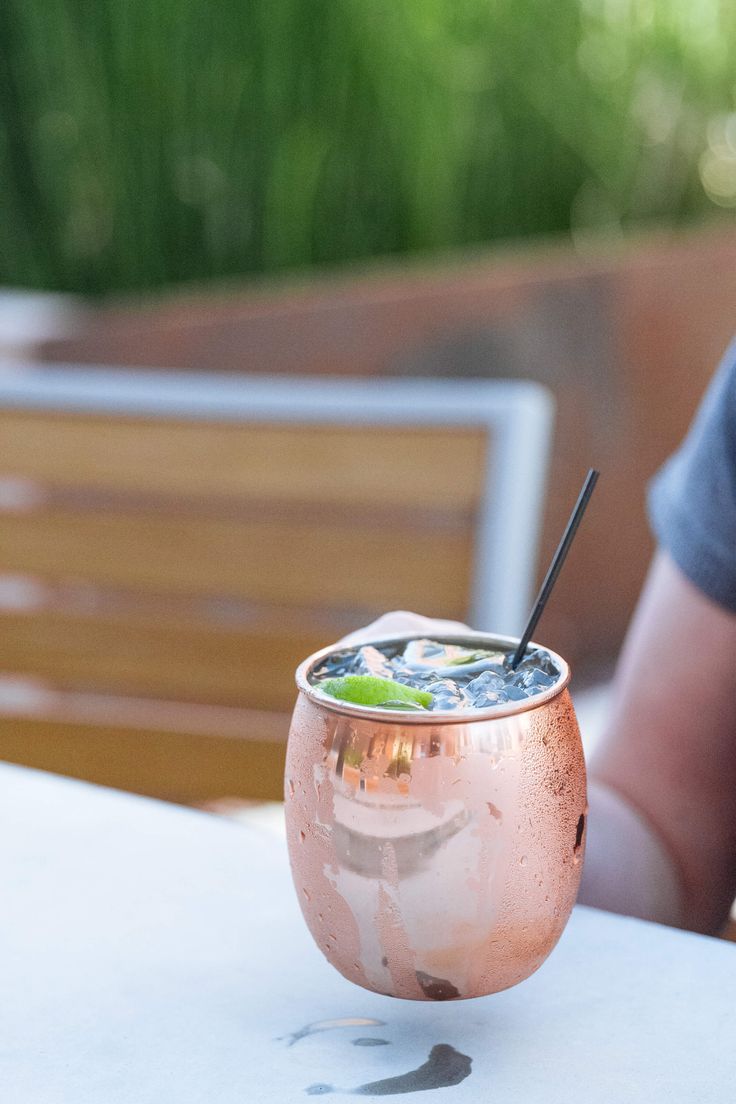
(436, 855)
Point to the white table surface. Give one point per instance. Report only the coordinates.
(153, 954)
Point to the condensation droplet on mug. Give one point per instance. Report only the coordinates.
(306, 893)
(291, 788)
(523, 860)
(302, 837)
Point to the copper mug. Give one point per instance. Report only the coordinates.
(436, 856)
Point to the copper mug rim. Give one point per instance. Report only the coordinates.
(435, 716)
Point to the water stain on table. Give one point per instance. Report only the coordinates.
(444, 1067)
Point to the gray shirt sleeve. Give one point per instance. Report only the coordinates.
(692, 499)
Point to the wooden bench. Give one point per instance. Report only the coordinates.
(171, 546)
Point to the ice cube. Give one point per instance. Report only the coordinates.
(369, 661)
(423, 653)
(541, 661)
(336, 665)
(484, 700)
(446, 693)
(488, 682)
(535, 673)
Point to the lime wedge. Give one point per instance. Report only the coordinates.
(369, 690)
(473, 657)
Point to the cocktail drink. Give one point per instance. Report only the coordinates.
(435, 811)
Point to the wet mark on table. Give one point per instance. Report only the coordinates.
(436, 988)
(370, 1042)
(444, 1067)
(328, 1025)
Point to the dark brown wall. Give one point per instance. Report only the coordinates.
(626, 342)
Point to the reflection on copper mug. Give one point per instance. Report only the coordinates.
(436, 856)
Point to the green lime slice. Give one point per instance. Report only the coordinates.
(369, 690)
(473, 657)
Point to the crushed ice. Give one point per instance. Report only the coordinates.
(456, 675)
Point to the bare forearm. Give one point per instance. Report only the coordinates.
(670, 752)
(627, 867)
(662, 824)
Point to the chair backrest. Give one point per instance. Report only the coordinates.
(172, 544)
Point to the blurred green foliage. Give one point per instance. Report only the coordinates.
(146, 142)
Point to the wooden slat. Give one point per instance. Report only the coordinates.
(290, 520)
(175, 765)
(388, 466)
(167, 657)
(301, 562)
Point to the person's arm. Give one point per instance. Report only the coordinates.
(662, 823)
(662, 836)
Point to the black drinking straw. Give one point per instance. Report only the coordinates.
(557, 561)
